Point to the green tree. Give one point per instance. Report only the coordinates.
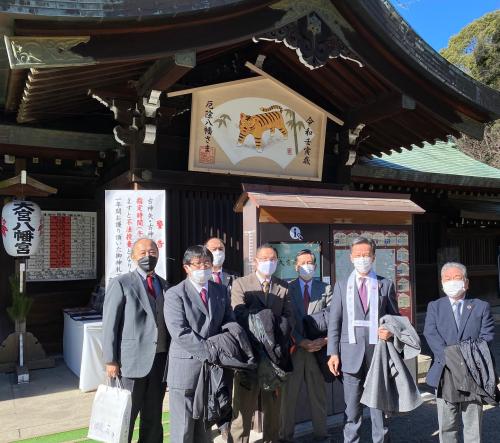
(476, 51)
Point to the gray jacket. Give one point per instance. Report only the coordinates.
(320, 297)
(190, 323)
(352, 355)
(130, 332)
(389, 385)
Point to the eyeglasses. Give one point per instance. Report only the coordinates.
(201, 265)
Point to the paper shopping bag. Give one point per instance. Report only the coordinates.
(110, 418)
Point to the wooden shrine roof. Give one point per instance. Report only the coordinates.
(326, 199)
(366, 66)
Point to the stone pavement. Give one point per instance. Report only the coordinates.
(52, 403)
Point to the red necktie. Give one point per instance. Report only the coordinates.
(307, 298)
(151, 288)
(217, 277)
(203, 295)
(363, 294)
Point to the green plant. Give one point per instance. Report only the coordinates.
(21, 304)
(294, 125)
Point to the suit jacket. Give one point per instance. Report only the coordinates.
(352, 355)
(320, 296)
(190, 323)
(247, 297)
(129, 328)
(440, 329)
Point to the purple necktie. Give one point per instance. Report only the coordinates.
(204, 298)
(363, 294)
(217, 277)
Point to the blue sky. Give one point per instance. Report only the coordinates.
(437, 20)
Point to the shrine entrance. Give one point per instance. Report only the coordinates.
(326, 221)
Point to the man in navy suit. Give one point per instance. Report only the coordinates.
(450, 320)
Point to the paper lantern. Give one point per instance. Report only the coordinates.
(21, 228)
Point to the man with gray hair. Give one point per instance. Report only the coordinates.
(449, 321)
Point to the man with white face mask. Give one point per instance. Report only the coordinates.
(220, 274)
(195, 310)
(357, 305)
(252, 293)
(450, 320)
(308, 296)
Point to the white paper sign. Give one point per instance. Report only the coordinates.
(131, 215)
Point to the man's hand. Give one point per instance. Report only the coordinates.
(384, 334)
(334, 365)
(113, 370)
(312, 345)
(320, 342)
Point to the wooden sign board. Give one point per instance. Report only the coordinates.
(256, 127)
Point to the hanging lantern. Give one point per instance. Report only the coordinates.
(21, 228)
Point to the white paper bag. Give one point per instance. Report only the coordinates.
(110, 419)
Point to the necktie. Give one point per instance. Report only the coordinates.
(203, 296)
(307, 298)
(363, 294)
(456, 313)
(265, 288)
(151, 287)
(217, 278)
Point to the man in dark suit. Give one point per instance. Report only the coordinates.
(308, 296)
(135, 339)
(450, 320)
(220, 275)
(224, 277)
(195, 310)
(252, 293)
(357, 305)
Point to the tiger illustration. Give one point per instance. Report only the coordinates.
(257, 124)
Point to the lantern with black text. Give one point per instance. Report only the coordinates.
(21, 228)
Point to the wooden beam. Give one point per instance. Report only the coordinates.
(51, 153)
(50, 138)
(381, 108)
(166, 72)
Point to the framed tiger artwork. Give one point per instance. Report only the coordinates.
(256, 127)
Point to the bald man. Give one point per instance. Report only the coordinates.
(135, 338)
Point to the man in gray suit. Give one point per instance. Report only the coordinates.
(253, 293)
(219, 275)
(357, 305)
(222, 276)
(195, 310)
(308, 296)
(450, 320)
(135, 339)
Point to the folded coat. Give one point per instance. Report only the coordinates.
(271, 338)
(470, 373)
(389, 385)
(230, 349)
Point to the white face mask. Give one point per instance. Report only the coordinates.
(219, 257)
(200, 276)
(362, 264)
(267, 268)
(306, 272)
(454, 288)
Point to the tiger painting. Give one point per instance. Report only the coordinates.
(257, 124)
